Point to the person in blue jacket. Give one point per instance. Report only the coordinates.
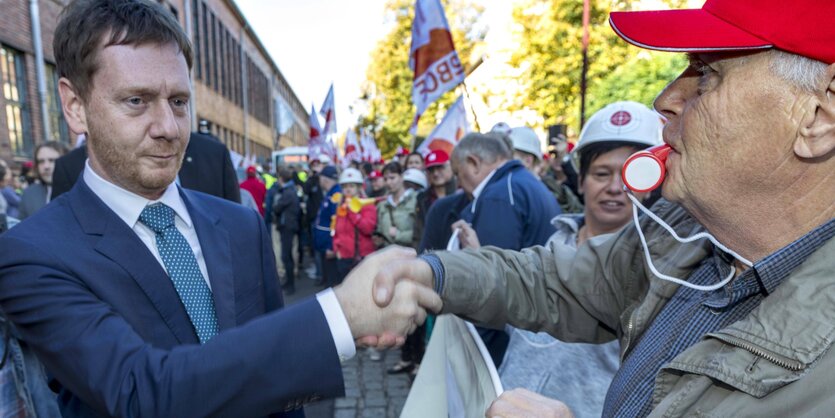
(322, 237)
(510, 209)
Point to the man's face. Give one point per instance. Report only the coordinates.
(45, 161)
(394, 182)
(440, 175)
(137, 116)
(469, 174)
(731, 123)
(602, 188)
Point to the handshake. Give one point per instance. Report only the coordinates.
(381, 307)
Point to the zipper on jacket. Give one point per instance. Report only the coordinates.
(788, 364)
(630, 324)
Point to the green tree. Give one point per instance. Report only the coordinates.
(550, 57)
(387, 92)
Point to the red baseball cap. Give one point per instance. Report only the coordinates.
(803, 27)
(376, 174)
(435, 158)
(251, 170)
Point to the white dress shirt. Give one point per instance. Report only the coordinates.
(128, 206)
(477, 191)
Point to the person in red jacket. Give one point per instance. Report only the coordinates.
(255, 187)
(355, 221)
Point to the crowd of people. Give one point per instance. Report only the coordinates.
(142, 275)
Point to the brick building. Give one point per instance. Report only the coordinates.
(240, 95)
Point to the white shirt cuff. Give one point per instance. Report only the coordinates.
(338, 324)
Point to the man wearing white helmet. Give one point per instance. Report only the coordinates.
(526, 148)
(580, 374)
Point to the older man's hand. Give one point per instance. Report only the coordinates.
(466, 235)
(384, 326)
(524, 403)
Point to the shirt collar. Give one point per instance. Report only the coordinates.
(483, 184)
(128, 205)
(777, 266)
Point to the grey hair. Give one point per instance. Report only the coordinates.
(805, 73)
(488, 148)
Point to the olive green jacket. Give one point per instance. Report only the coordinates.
(604, 290)
(402, 216)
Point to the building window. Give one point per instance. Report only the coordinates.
(195, 44)
(215, 57)
(12, 69)
(58, 130)
(207, 59)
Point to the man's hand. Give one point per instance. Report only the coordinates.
(524, 403)
(384, 326)
(466, 235)
(329, 254)
(391, 274)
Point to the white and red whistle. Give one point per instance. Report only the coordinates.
(644, 170)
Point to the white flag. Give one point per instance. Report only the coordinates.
(432, 57)
(451, 129)
(328, 111)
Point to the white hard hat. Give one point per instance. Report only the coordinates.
(525, 140)
(350, 175)
(415, 176)
(500, 128)
(324, 159)
(622, 122)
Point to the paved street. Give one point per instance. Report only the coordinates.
(369, 390)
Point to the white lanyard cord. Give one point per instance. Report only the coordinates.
(637, 205)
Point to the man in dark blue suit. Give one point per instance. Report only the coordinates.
(145, 299)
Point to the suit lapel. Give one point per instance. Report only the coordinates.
(217, 252)
(120, 244)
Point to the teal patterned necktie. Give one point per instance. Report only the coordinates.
(179, 261)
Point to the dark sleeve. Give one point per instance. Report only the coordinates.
(65, 174)
(231, 189)
(272, 363)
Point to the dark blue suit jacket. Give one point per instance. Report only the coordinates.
(101, 313)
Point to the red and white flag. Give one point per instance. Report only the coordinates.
(353, 152)
(316, 143)
(328, 111)
(370, 152)
(432, 58)
(451, 129)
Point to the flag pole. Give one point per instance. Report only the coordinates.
(472, 110)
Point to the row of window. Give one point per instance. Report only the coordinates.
(18, 104)
(217, 63)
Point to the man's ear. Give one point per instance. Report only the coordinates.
(816, 137)
(72, 106)
(475, 162)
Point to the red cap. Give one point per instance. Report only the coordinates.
(803, 27)
(376, 174)
(436, 157)
(250, 171)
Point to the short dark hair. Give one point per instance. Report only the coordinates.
(60, 147)
(3, 171)
(592, 151)
(84, 24)
(285, 174)
(393, 167)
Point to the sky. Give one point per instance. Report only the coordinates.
(316, 42)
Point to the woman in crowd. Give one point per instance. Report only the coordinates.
(354, 223)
